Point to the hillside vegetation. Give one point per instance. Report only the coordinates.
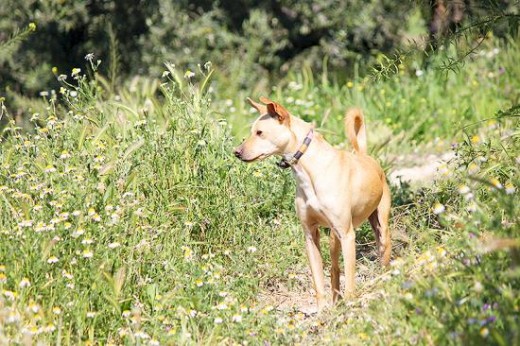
(126, 219)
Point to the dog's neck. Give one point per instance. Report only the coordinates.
(300, 130)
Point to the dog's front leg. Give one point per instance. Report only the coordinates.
(312, 246)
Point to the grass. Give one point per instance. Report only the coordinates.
(126, 220)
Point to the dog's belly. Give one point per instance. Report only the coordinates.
(329, 206)
(365, 195)
(361, 214)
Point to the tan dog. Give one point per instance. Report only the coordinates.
(335, 188)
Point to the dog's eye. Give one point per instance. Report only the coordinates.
(258, 133)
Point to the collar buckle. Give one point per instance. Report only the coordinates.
(296, 157)
(283, 164)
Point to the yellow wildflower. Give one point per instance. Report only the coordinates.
(473, 168)
(510, 189)
(496, 183)
(438, 208)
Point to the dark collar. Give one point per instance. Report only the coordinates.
(297, 155)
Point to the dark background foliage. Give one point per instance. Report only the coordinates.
(266, 37)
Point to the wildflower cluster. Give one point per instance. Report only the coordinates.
(482, 180)
(103, 218)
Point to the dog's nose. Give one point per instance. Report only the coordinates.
(238, 152)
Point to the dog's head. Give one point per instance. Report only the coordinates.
(270, 133)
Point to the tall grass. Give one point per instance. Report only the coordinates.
(111, 216)
(126, 220)
(421, 104)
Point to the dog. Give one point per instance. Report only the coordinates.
(336, 189)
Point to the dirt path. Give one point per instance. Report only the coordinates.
(418, 170)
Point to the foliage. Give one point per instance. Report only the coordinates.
(96, 206)
(125, 218)
(66, 32)
(414, 102)
(254, 40)
(8, 47)
(462, 286)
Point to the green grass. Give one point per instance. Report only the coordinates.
(125, 219)
(430, 105)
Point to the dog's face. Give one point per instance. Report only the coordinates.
(270, 133)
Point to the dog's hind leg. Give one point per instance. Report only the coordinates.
(335, 249)
(379, 222)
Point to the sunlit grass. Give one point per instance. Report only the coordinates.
(125, 218)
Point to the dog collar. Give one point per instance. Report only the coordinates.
(297, 155)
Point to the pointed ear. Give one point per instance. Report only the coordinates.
(276, 110)
(265, 100)
(260, 108)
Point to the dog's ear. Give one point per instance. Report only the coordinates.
(260, 108)
(276, 110)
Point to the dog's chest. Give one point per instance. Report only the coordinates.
(307, 188)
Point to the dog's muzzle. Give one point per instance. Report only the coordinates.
(238, 153)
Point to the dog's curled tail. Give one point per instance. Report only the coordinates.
(355, 129)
